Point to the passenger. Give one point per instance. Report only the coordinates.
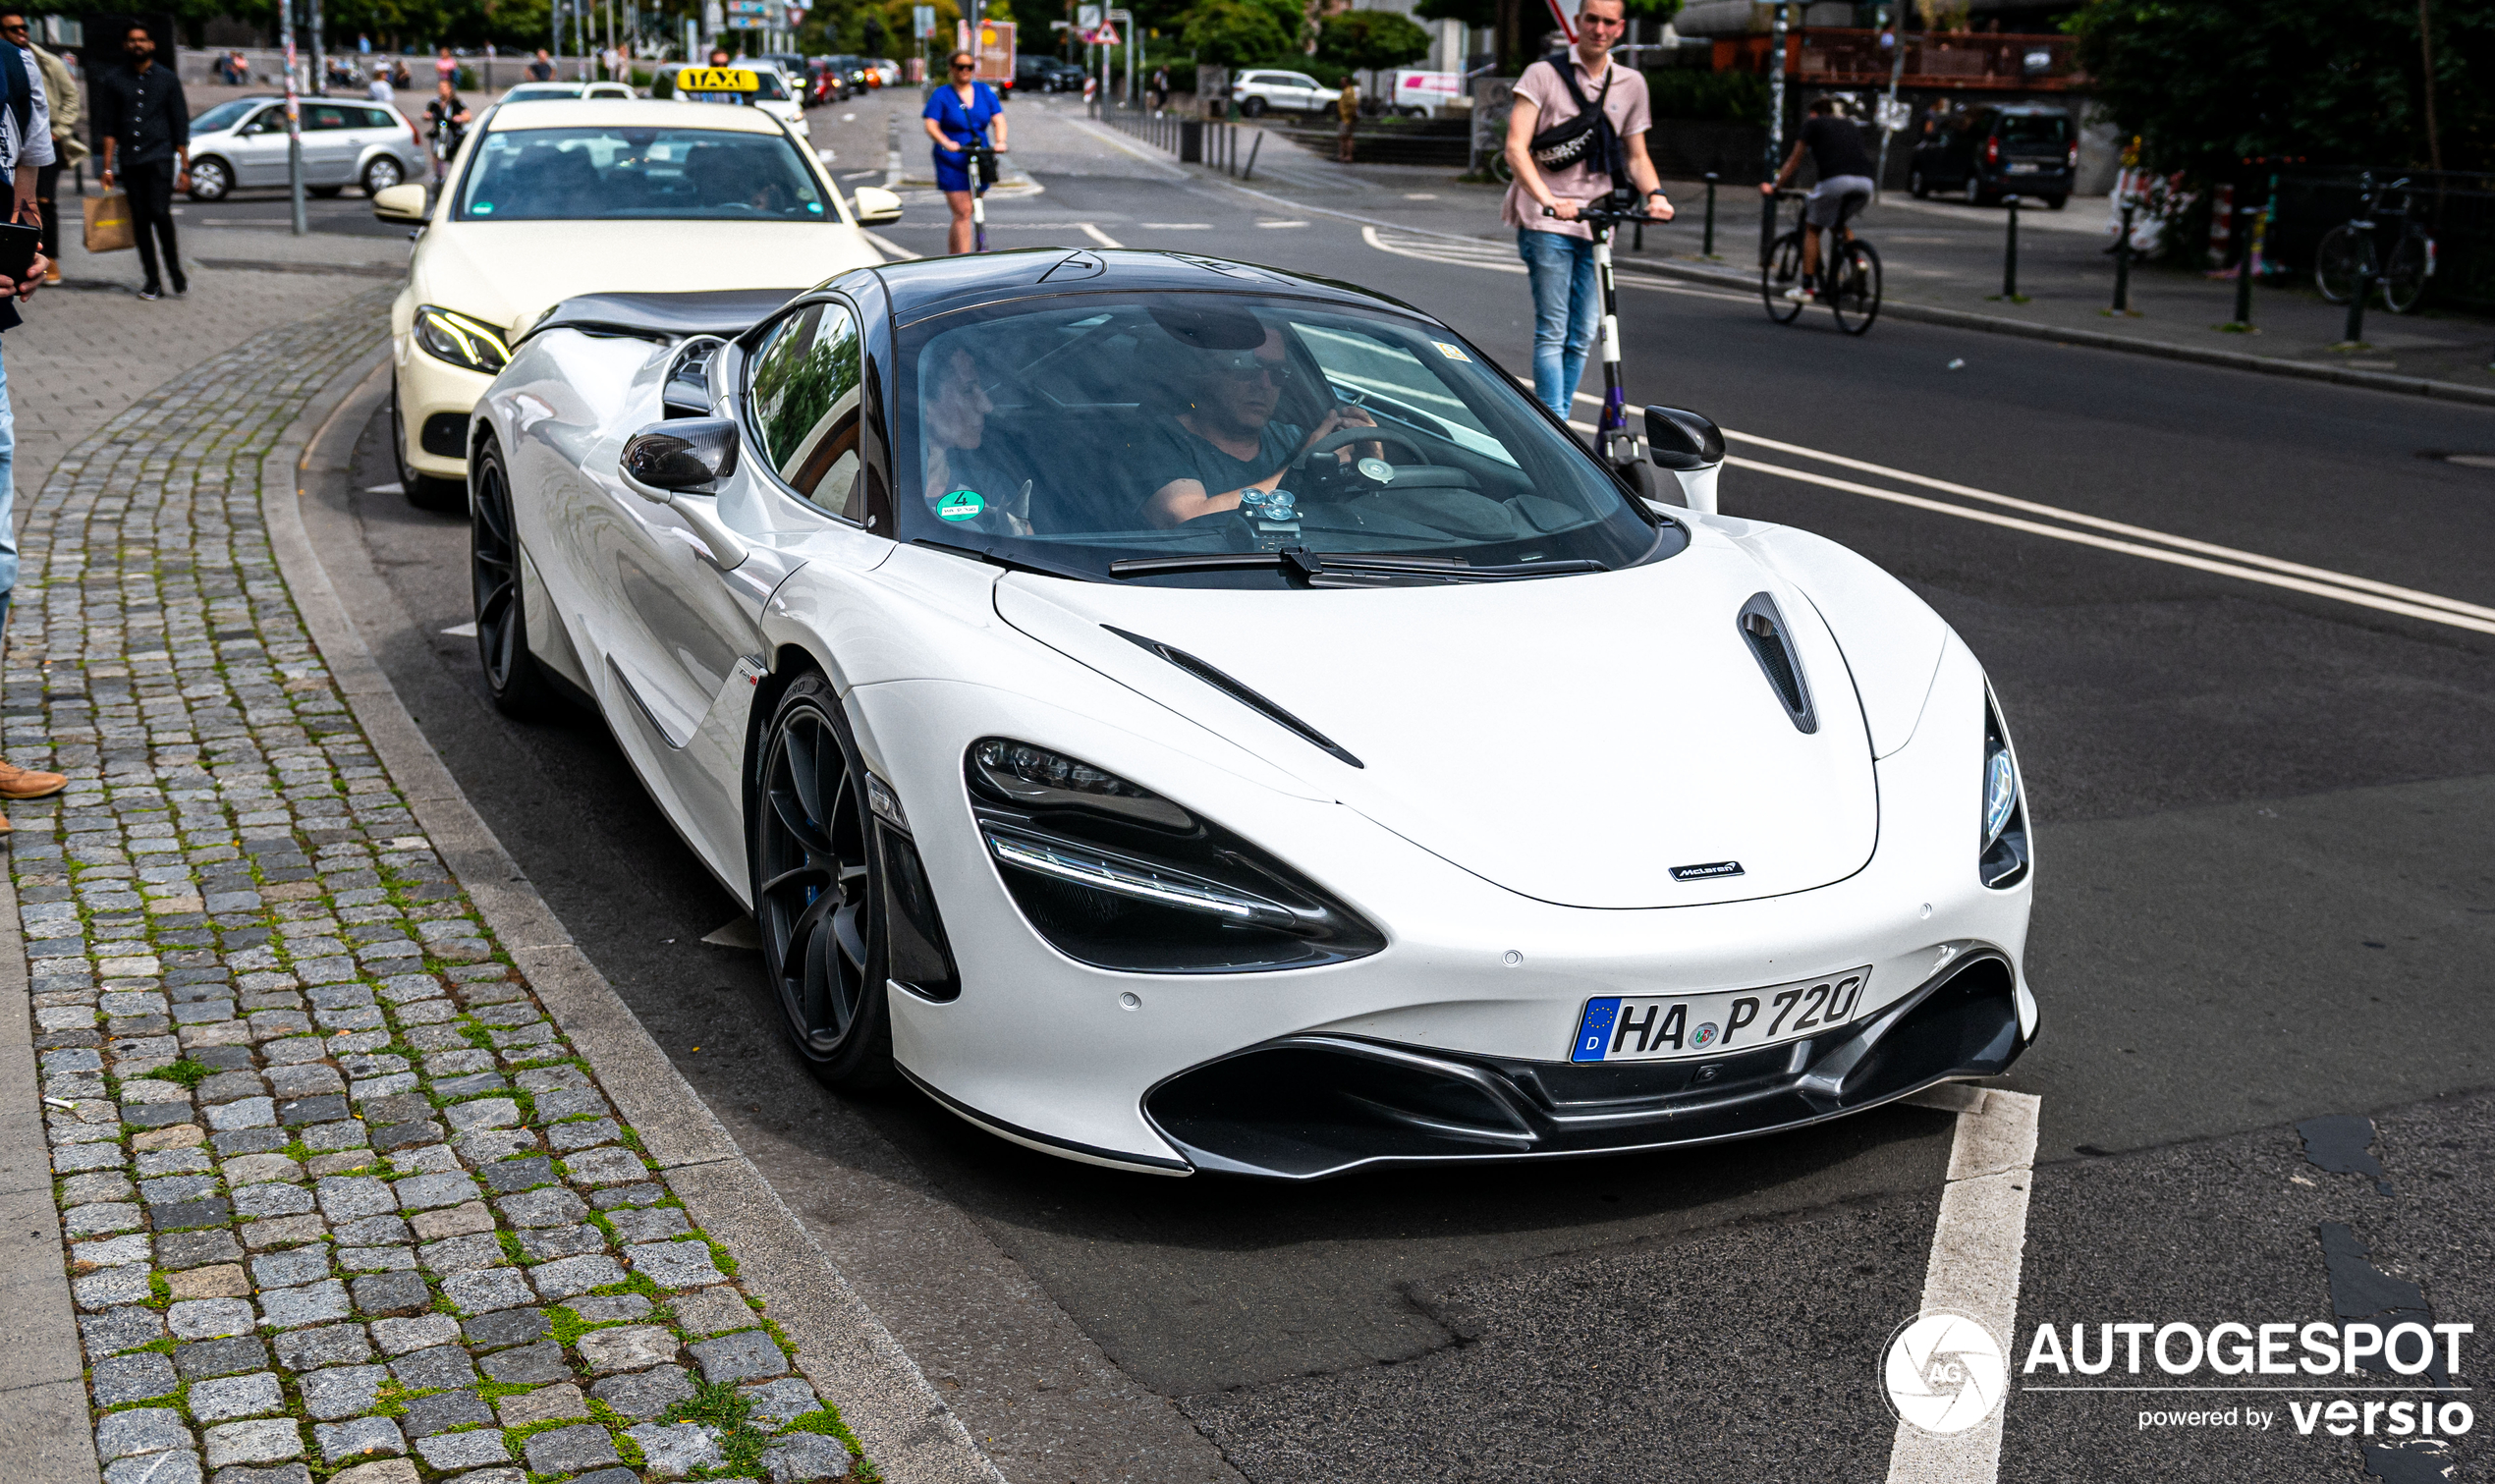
(1227, 443)
(963, 461)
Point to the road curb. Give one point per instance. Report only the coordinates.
(842, 1347)
(43, 1375)
(1967, 320)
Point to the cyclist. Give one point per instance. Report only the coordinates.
(447, 120)
(1845, 169)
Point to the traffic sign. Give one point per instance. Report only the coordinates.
(1087, 16)
(1107, 36)
(922, 21)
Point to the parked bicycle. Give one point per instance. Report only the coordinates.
(1849, 271)
(2349, 255)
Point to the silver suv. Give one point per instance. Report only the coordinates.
(241, 142)
(1260, 88)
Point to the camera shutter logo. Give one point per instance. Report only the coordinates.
(1944, 1372)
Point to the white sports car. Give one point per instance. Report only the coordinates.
(1186, 716)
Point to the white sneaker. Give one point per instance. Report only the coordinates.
(1798, 295)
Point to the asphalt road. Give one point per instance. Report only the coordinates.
(2264, 821)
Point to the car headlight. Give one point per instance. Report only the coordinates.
(2002, 860)
(460, 339)
(1117, 876)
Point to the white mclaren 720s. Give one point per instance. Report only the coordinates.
(1186, 716)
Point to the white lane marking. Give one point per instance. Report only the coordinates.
(2099, 522)
(461, 630)
(394, 487)
(1446, 252)
(2364, 592)
(2461, 459)
(2133, 548)
(890, 248)
(1176, 226)
(1974, 1269)
(1098, 236)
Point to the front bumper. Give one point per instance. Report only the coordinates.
(435, 398)
(1306, 1107)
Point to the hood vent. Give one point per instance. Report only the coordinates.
(1237, 693)
(1763, 628)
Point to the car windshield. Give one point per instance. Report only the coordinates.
(615, 174)
(225, 115)
(527, 90)
(1102, 436)
(2034, 128)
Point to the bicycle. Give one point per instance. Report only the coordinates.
(1614, 444)
(2345, 256)
(1850, 271)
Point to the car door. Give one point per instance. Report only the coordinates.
(692, 642)
(329, 144)
(259, 148)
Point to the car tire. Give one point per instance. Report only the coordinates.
(381, 174)
(423, 491)
(519, 687)
(2056, 203)
(1977, 195)
(1920, 189)
(1252, 107)
(324, 193)
(818, 898)
(211, 179)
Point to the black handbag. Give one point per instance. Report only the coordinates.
(1568, 142)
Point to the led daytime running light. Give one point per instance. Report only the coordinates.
(2001, 795)
(460, 339)
(1098, 873)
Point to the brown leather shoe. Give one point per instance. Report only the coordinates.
(27, 783)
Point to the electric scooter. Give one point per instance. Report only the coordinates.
(1614, 443)
(982, 175)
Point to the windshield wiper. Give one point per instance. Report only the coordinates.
(1308, 565)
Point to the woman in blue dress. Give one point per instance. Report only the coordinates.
(957, 116)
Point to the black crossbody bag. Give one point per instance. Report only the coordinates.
(1585, 136)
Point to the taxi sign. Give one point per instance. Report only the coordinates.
(706, 85)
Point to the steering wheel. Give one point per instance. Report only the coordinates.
(1345, 437)
(1318, 478)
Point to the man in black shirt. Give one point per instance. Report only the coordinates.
(1844, 167)
(147, 128)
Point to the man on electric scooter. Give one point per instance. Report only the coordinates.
(1578, 128)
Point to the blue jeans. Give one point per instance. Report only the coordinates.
(1568, 307)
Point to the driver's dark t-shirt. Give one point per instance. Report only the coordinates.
(1836, 146)
(1177, 453)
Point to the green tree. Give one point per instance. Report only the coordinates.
(2208, 83)
(1371, 40)
(1240, 33)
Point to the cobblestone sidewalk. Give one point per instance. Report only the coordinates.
(340, 1202)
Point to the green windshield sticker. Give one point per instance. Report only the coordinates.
(960, 504)
(484, 208)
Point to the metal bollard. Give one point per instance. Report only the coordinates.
(2122, 265)
(2243, 283)
(1253, 148)
(2356, 330)
(1708, 249)
(2010, 252)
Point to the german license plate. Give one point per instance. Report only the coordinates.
(2024, 169)
(1641, 1029)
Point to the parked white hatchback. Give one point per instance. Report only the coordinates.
(242, 143)
(1262, 89)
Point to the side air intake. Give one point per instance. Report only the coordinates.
(1764, 630)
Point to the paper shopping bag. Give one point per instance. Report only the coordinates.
(109, 222)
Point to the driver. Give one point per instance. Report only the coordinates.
(1227, 443)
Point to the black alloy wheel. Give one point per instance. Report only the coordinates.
(512, 676)
(423, 491)
(817, 890)
(1252, 106)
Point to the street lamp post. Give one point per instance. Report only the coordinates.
(294, 128)
(1775, 123)
(319, 57)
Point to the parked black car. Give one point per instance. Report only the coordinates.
(1991, 150)
(1046, 75)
